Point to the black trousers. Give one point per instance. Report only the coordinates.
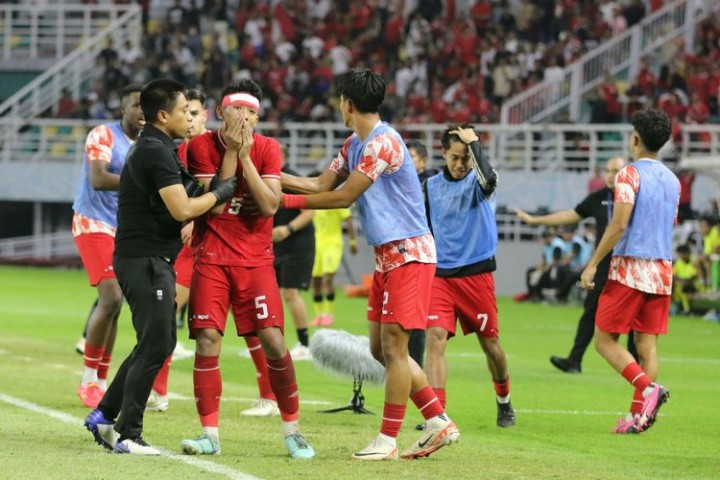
(586, 324)
(148, 284)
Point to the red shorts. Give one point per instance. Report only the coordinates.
(252, 292)
(184, 267)
(471, 300)
(96, 251)
(621, 309)
(401, 295)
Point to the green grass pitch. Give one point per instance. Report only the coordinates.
(563, 421)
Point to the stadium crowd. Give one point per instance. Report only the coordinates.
(442, 64)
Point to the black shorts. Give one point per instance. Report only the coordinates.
(294, 269)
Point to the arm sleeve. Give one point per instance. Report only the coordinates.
(199, 158)
(163, 168)
(382, 154)
(486, 174)
(99, 144)
(271, 160)
(585, 208)
(339, 165)
(627, 185)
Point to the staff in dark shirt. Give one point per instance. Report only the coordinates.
(598, 205)
(156, 195)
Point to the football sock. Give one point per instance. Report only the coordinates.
(212, 432)
(392, 420)
(502, 390)
(330, 303)
(290, 428)
(302, 334)
(442, 396)
(208, 389)
(258, 357)
(91, 359)
(389, 440)
(636, 376)
(318, 304)
(427, 402)
(161, 379)
(637, 402)
(281, 373)
(104, 367)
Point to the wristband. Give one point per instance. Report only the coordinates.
(294, 201)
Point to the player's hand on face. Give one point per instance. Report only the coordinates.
(247, 138)
(232, 133)
(467, 135)
(587, 278)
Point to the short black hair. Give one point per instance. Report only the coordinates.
(683, 249)
(195, 94)
(159, 95)
(243, 86)
(363, 87)
(419, 147)
(129, 89)
(654, 128)
(448, 137)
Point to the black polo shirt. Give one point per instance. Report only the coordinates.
(598, 205)
(145, 226)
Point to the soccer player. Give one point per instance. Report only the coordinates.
(329, 245)
(94, 226)
(293, 238)
(598, 205)
(461, 213)
(637, 293)
(377, 172)
(234, 266)
(158, 400)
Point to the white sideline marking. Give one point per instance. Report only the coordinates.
(77, 422)
(177, 396)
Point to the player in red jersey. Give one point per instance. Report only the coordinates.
(158, 400)
(233, 254)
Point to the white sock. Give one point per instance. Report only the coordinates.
(89, 376)
(389, 440)
(290, 428)
(212, 432)
(102, 383)
(505, 399)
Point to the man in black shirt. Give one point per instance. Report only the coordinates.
(153, 204)
(598, 205)
(294, 247)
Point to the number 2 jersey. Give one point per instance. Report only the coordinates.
(234, 237)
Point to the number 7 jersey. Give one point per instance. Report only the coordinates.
(235, 237)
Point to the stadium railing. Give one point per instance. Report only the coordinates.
(555, 147)
(620, 55)
(51, 30)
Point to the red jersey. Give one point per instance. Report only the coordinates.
(182, 153)
(233, 238)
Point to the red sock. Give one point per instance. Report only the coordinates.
(427, 402)
(208, 389)
(637, 403)
(635, 375)
(502, 389)
(260, 361)
(161, 380)
(441, 395)
(392, 420)
(93, 355)
(104, 366)
(281, 374)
